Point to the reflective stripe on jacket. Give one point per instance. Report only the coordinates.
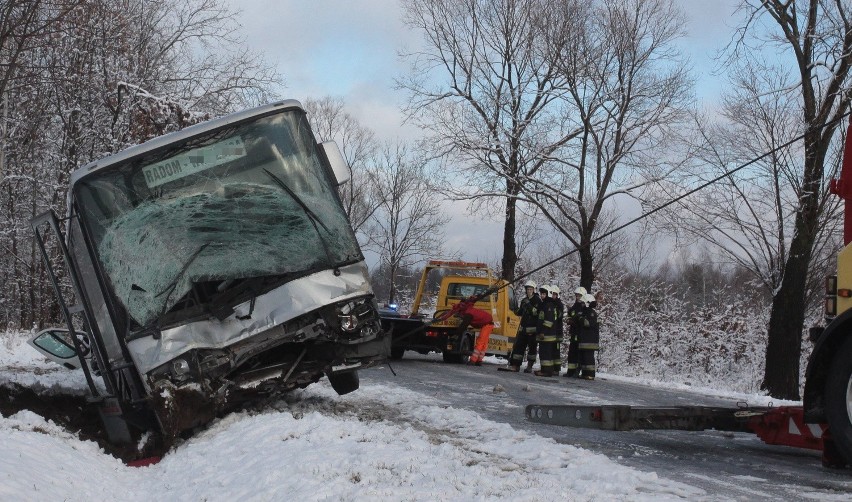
(572, 315)
(548, 320)
(589, 336)
(558, 327)
(528, 311)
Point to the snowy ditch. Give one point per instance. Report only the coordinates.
(379, 442)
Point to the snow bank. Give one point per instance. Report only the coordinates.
(378, 443)
(21, 364)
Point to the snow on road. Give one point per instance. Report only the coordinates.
(380, 442)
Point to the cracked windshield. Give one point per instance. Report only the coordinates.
(183, 226)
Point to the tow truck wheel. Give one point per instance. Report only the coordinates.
(463, 354)
(466, 348)
(451, 357)
(397, 353)
(344, 383)
(838, 400)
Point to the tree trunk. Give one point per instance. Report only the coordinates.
(510, 255)
(392, 288)
(787, 317)
(786, 320)
(587, 271)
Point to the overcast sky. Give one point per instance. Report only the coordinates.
(349, 49)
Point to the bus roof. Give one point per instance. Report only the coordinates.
(166, 139)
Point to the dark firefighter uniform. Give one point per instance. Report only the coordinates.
(525, 340)
(548, 317)
(559, 331)
(573, 359)
(589, 338)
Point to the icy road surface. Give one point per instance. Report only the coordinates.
(434, 432)
(731, 466)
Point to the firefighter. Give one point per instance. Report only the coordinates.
(546, 336)
(525, 338)
(478, 319)
(558, 328)
(589, 337)
(573, 360)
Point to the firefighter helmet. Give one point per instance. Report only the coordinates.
(554, 289)
(530, 284)
(588, 299)
(580, 291)
(545, 288)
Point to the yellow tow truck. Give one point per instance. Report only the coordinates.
(409, 333)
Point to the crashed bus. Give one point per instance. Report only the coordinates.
(209, 267)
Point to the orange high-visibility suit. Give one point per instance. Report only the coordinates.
(478, 319)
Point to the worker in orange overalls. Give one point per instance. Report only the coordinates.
(475, 318)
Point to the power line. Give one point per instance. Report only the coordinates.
(679, 198)
(641, 217)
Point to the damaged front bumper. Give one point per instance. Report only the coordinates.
(270, 315)
(192, 389)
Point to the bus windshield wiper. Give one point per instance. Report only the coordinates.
(311, 216)
(171, 287)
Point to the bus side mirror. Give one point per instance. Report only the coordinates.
(338, 163)
(56, 345)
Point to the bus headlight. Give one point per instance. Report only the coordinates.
(348, 323)
(180, 367)
(353, 315)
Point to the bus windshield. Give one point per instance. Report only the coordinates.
(201, 215)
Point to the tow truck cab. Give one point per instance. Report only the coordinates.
(444, 336)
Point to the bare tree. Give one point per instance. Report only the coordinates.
(409, 221)
(24, 25)
(628, 91)
(331, 121)
(748, 217)
(816, 37)
(101, 76)
(637, 258)
(529, 233)
(26, 29)
(497, 110)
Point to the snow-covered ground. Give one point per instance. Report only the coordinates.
(381, 442)
(21, 364)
